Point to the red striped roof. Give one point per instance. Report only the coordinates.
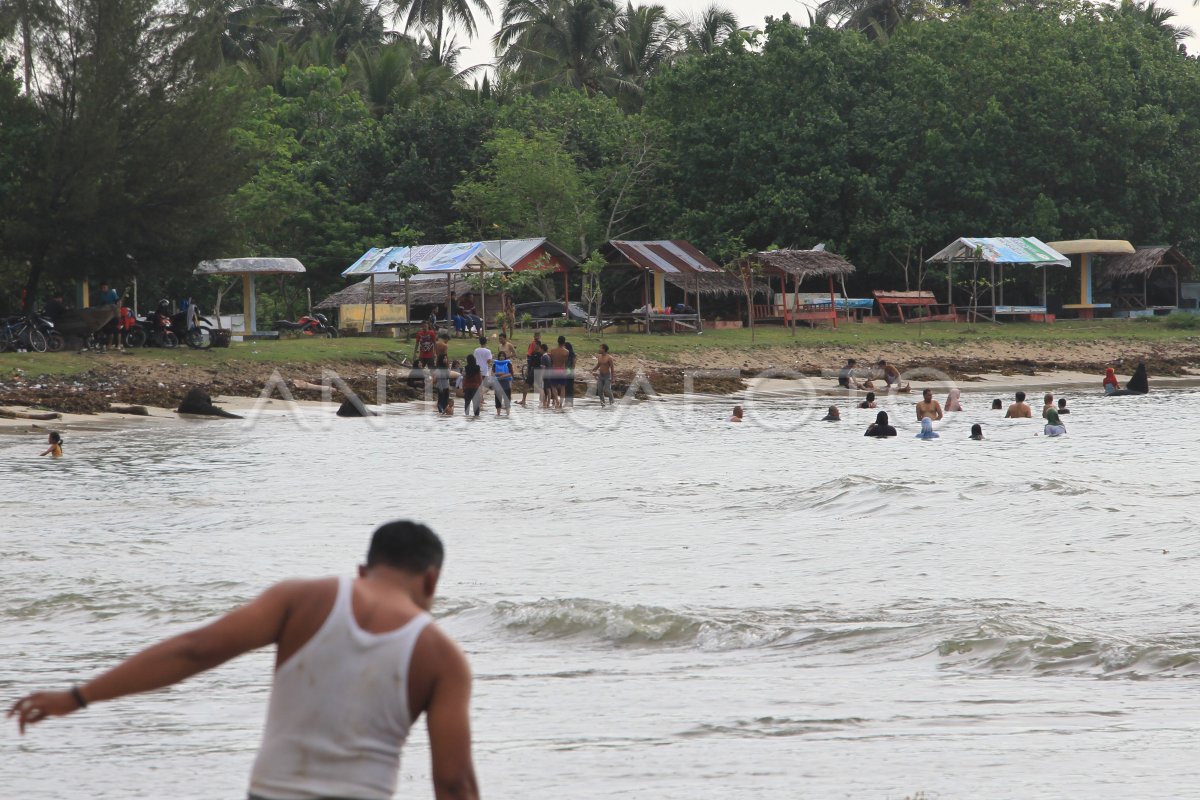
(669, 256)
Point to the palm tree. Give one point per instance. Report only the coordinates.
(704, 33)
(874, 18)
(1158, 18)
(435, 13)
(550, 43)
(216, 33)
(351, 23)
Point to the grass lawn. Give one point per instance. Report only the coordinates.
(684, 348)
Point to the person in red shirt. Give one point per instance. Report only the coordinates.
(425, 346)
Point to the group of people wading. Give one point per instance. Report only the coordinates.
(549, 372)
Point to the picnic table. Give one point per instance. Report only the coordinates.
(922, 307)
(690, 322)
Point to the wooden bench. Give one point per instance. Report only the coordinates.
(922, 306)
(811, 313)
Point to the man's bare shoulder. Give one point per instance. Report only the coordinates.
(438, 649)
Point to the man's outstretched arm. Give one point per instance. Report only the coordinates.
(250, 627)
(448, 719)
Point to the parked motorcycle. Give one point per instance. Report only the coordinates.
(315, 325)
(54, 340)
(194, 329)
(153, 330)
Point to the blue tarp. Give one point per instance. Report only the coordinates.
(1025, 250)
(431, 258)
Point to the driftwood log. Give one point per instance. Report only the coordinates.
(29, 414)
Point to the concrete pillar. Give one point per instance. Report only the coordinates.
(660, 290)
(249, 304)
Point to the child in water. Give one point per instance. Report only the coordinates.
(55, 448)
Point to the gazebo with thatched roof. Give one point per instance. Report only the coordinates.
(1123, 269)
(800, 265)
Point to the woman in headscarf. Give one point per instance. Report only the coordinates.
(977, 432)
(1054, 424)
(1110, 381)
(833, 416)
(927, 431)
(952, 402)
(880, 428)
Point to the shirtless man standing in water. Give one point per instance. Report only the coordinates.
(1020, 409)
(604, 375)
(928, 407)
(357, 661)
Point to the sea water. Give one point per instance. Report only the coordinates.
(656, 603)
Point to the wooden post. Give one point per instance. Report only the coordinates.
(699, 320)
(372, 306)
(407, 301)
(1045, 298)
(993, 293)
(482, 302)
(832, 301)
(566, 295)
(249, 312)
(646, 296)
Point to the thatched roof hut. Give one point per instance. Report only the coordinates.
(801, 264)
(1142, 263)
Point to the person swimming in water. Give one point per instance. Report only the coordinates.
(977, 432)
(1020, 409)
(869, 402)
(1062, 406)
(997, 405)
(56, 442)
(737, 414)
(1054, 424)
(952, 400)
(927, 431)
(880, 429)
(833, 415)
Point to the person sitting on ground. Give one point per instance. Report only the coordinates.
(891, 377)
(737, 414)
(997, 405)
(953, 403)
(357, 661)
(1110, 381)
(928, 407)
(471, 321)
(868, 403)
(1047, 403)
(1062, 406)
(1020, 409)
(846, 375)
(1054, 425)
(833, 415)
(927, 431)
(880, 429)
(977, 432)
(55, 449)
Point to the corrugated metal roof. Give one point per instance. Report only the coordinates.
(668, 256)
(257, 266)
(441, 258)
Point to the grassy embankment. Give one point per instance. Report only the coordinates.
(684, 350)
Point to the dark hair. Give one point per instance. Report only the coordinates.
(1062, 402)
(483, 341)
(926, 392)
(997, 404)
(545, 347)
(870, 396)
(405, 545)
(976, 431)
(55, 437)
(604, 347)
(851, 361)
(881, 418)
(562, 340)
(1020, 397)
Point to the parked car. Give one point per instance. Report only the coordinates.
(552, 310)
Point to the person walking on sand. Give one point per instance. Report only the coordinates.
(605, 366)
(55, 449)
(357, 662)
(1020, 409)
(928, 407)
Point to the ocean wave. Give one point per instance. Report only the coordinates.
(988, 637)
(1000, 645)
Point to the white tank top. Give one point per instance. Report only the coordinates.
(339, 712)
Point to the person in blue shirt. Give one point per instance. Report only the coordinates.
(107, 296)
(502, 376)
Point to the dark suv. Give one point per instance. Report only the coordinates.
(551, 310)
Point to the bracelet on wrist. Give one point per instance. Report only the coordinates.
(79, 698)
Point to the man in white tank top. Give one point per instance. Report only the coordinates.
(357, 661)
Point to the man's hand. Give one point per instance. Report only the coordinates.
(34, 708)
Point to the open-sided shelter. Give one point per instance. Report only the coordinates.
(1087, 250)
(1144, 262)
(444, 260)
(249, 269)
(999, 252)
(676, 262)
(798, 266)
